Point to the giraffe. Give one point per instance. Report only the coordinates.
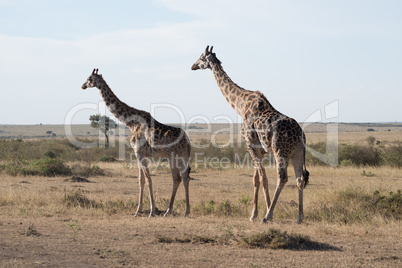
(150, 139)
(264, 129)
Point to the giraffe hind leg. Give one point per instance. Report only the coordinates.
(185, 172)
(264, 182)
(256, 182)
(282, 164)
(300, 181)
(176, 183)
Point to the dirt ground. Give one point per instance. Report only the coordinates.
(127, 241)
(37, 230)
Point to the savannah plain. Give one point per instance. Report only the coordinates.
(85, 217)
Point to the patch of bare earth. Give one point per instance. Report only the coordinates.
(127, 241)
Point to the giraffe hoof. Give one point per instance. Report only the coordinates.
(265, 220)
(187, 212)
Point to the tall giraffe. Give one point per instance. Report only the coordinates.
(264, 129)
(150, 139)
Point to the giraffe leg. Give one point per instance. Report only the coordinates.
(282, 179)
(264, 182)
(176, 183)
(141, 178)
(144, 168)
(256, 183)
(151, 195)
(186, 182)
(298, 167)
(300, 218)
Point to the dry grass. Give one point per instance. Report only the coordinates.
(61, 221)
(93, 223)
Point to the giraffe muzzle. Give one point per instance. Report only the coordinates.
(195, 67)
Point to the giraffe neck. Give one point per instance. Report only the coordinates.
(245, 102)
(126, 114)
(235, 95)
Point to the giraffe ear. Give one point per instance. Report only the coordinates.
(206, 51)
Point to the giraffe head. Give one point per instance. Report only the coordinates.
(206, 60)
(93, 80)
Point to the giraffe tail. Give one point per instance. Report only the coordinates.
(188, 172)
(305, 173)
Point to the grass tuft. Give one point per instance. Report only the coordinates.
(353, 205)
(31, 231)
(78, 199)
(272, 239)
(276, 239)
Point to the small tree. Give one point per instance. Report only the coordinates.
(103, 123)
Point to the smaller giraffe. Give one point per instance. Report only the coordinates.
(150, 139)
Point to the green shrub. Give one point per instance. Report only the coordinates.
(50, 154)
(51, 167)
(360, 155)
(392, 155)
(43, 167)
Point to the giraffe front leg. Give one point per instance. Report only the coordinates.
(151, 196)
(141, 193)
(256, 182)
(144, 168)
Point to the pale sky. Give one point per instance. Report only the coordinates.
(305, 56)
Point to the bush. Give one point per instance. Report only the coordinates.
(43, 167)
(50, 167)
(392, 155)
(360, 155)
(50, 154)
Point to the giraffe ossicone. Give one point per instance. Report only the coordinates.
(264, 129)
(150, 139)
